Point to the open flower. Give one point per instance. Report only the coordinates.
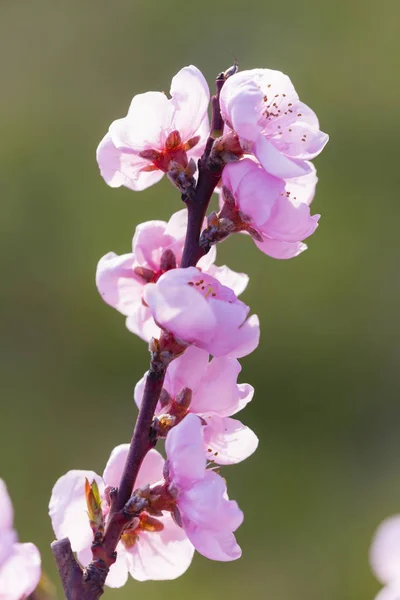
(20, 564)
(208, 517)
(277, 210)
(156, 247)
(263, 108)
(210, 390)
(158, 135)
(197, 309)
(385, 557)
(150, 549)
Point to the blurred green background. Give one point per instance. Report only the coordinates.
(327, 371)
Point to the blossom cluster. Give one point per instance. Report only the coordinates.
(267, 183)
(19, 563)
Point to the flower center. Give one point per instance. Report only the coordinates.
(173, 153)
(140, 524)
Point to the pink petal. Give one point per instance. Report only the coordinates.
(303, 188)
(205, 504)
(150, 241)
(279, 249)
(6, 509)
(160, 555)
(184, 448)
(243, 341)
(146, 125)
(302, 139)
(236, 281)
(255, 191)
(119, 166)
(177, 225)
(151, 470)
(290, 222)
(390, 592)
(68, 510)
(203, 132)
(20, 574)
(117, 283)
(190, 98)
(276, 163)
(217, 392)
(115, 465)
(178, 307)
(187, 371)
(228, 441)
(246, 393)
(142, 323)
(385, 550)
(206, 262)
(244, 95)
(215, 546)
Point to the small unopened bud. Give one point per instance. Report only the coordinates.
(184, 398)
(168, 260)
(232, 70)
(93, 503)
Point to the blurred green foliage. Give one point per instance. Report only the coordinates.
(327, 370)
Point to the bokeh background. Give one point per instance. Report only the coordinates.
(326, 374)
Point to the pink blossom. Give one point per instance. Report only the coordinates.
(208, 517)
(278, 210)
(385, 557)
(20, 564)
(214, 395)
(122, 280)
(264, 109)
(143, 552)
(197, 309)
(158, 134)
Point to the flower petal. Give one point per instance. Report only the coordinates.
(142, 323)
(290, 222)
(276, 163)
(120, 166)
(6, 509)
(190, 98)
(228, 440)
(68, 510)
(279, 249)
(217, 392)
(184, 447)
(385, 550)
(236, 281)
(160, 555)
(172, 298)
(146, 125)
(20, 574)
(118, 284)
(215, 546)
